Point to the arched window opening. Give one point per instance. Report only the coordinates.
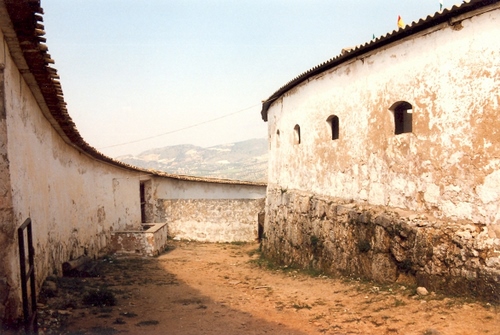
(403, 117)
(333, 123)
(297, 138)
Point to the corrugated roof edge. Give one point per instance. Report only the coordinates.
(27, 39)
(395, 35)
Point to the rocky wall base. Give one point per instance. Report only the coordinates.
(339, 238)
(213, 220)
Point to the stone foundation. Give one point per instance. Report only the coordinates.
(213, 220)
(339, 238)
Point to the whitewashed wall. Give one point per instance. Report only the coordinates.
(73, 200)
(170, 188)
(449, 166)
(421, 208)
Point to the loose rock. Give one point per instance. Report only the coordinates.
(422, 291)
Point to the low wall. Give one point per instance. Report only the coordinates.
(150, 241)
(213, 220)
(373, 242)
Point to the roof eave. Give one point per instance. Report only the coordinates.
(445, 16)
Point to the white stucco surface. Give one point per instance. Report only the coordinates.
(73, 200)
(184, 189)
(448, 166)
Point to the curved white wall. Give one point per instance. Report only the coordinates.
(73, 200)
(448, 166)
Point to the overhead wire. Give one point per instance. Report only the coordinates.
(178, 130)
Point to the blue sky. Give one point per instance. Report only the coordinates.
(145, 74)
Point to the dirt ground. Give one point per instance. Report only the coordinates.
(196, 288)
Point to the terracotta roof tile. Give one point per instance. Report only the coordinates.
(28, 48)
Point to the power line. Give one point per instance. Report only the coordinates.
(180, 129)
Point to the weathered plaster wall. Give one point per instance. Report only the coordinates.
(207, 220)
(8, 285)
(449, 164)
(209, 212)
(170, 188)
(73, 200)
(447, 168)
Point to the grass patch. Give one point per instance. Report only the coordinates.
(128, 314)
(147, 323)
(254, 252)
(271, 265)
(317, 317)
(101, 297)
(399, 302)
(379, 309)
(238, 243)
(311, 272)
(319, 302)
(104, 330)
(300, 305)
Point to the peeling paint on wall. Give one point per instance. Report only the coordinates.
(447, 167)
(68, 195)
(9, 294)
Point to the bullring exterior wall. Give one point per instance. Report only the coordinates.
(74, 201)
(76, 197)
(80, 202)
(441, 181)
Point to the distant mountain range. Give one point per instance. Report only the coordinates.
(246, 160)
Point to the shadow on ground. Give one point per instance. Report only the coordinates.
(135, 295)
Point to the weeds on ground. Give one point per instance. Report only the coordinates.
(147, 323)
(101, 297)
(399, 302)
(238, 243)
(254, 252)
(119, 321)
(271, 265)
(300, 305)
(128, 314)
(103, 331)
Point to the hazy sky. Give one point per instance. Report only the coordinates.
(164, 69)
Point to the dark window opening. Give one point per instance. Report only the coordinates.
(333, 122)
(403, 117)
(297, 134)
(261, 218)
(143, 202)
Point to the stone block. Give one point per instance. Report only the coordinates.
(364, 217)
(304, 204)
(381, 240)
(344, 209)
(383, 268)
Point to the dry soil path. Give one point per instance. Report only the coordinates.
(199, 288)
